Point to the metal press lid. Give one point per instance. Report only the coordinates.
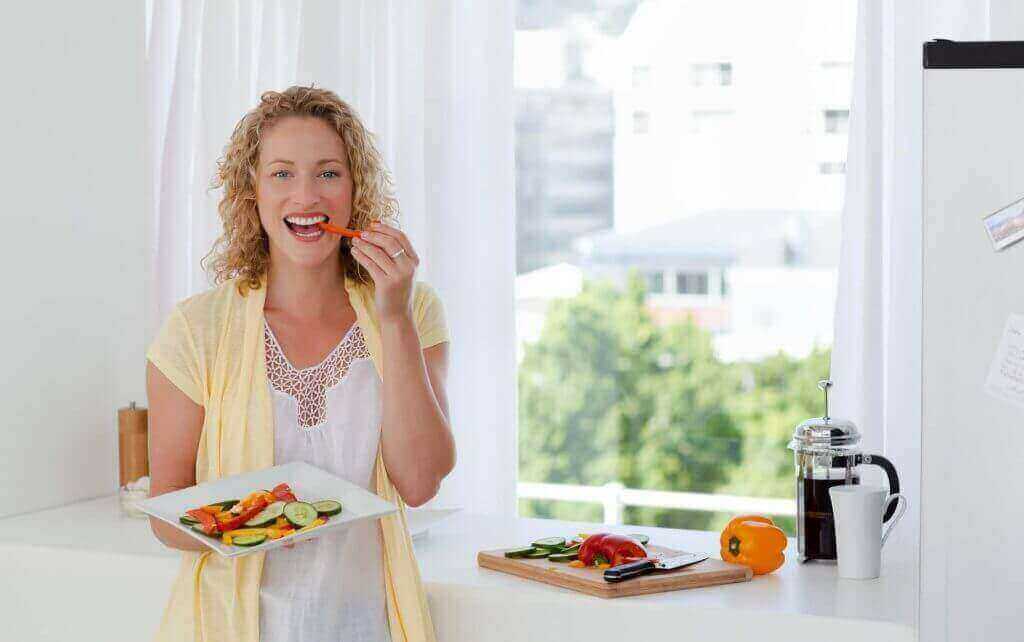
(826, 435)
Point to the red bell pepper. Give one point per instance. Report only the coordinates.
(283, 493)
(207, 522)
(615, 549)
(244, 516)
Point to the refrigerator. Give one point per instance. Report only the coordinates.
(972, 432)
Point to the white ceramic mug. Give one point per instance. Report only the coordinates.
(859, 538)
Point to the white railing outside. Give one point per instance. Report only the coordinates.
(614, 496)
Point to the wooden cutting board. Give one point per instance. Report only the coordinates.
(710, 572)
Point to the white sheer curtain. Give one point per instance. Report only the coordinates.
(876, 360)
(433, 80)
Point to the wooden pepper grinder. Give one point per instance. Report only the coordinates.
(133, 457)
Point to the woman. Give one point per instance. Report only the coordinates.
(309, 349)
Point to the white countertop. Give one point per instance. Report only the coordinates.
(463, 597)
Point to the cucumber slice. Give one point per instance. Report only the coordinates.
(563, 557)
(327, 507)
(640, 537)
(267, 516)
(199, 530)
(248, 540)
(226, 504)
(519, 552)
(188, 520)
(575, 548)
(538, 553)
(550, 543)
(299, 514)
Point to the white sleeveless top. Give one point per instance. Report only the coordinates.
(328, 589)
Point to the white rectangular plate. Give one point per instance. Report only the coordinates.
(309, 483)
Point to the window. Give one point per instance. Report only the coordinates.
(656, 282)
(692, 283)
(641, 122)
(836, 121)
(641, 76)
(716, 74)
(709, 121)
(672, 233)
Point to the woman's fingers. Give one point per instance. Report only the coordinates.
(398, 236)
(389, 244)
(370, 257)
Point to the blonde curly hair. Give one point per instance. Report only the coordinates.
(243, 250)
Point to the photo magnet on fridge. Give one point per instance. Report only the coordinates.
(1006, 226)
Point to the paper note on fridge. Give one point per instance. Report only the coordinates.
(1006, 376)
(1006, 226)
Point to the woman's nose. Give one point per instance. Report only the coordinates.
(305, 193)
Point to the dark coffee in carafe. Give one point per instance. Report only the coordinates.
(816, 528)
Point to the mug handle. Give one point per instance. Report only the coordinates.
(900, 509)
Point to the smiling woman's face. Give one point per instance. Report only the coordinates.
(302, 173)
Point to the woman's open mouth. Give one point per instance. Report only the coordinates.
(305, 228)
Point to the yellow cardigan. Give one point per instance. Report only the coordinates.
(211, 347)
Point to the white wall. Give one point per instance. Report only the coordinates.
(72, 250)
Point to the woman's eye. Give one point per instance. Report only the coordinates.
(278, 172)
(330, 171)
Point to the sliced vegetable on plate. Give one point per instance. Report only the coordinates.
(261, 516)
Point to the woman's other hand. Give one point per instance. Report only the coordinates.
(390, 259)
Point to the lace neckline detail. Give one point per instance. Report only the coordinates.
(309, 386)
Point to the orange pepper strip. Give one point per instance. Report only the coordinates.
(327, 227)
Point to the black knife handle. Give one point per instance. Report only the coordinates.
(626, 571)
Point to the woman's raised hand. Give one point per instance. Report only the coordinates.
(390, 259)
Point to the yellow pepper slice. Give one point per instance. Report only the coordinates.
(316, 522)
(240, 532)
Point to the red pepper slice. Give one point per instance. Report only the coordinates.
(615, 549)
(207, 522)
(244, 516)
(283, 493)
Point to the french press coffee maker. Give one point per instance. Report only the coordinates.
(827, 453)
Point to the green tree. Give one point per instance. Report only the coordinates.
(607, 395)
(779, 392)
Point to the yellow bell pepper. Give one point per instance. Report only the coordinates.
(754, 541)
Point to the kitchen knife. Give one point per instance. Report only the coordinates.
(636, 569)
